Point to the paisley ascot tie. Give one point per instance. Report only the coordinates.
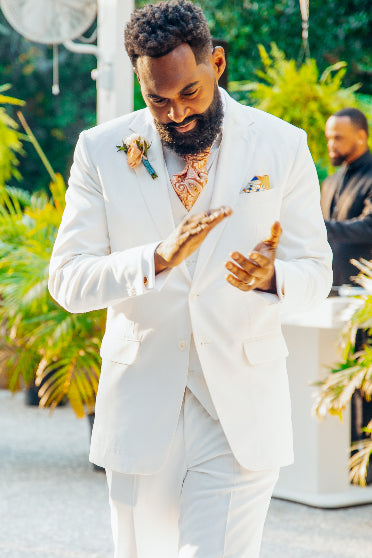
(189, 183)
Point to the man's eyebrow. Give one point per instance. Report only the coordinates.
(188, 86)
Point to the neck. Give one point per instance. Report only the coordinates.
(359, 153)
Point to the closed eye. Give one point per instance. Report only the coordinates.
(158, 101)
(190, 93)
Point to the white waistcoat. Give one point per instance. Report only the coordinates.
(195, 379)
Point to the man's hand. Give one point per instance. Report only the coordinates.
(187, 237)
(257, 271)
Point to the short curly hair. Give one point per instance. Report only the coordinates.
(157, 29)
(357, 117)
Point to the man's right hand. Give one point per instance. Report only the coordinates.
(187, 237)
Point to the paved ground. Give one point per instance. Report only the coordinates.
(52, 504)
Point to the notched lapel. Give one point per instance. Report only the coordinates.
(154, 191)
(347, 199)
(326, 199)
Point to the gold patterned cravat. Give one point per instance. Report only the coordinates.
(189, 183)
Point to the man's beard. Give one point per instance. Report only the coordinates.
(337, 161)
(208, 126)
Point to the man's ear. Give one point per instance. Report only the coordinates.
(362, 137)
(218, 61)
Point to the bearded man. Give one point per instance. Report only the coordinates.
(193, 412)
(346, 196)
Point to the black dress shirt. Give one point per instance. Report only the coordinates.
(346, 200)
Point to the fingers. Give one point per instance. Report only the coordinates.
(276, 231)
(190, 234)
(239, 284)
(247, 275)
(257, 271)
(223, 211)
(210, 217)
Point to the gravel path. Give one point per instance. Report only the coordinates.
(53, 504)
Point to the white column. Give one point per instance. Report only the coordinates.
(115, 73)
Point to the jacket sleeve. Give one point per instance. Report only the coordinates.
(83, 274)
(357, 230)
(304, 257)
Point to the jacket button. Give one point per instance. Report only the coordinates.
(182, 345)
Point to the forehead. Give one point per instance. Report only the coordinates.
(168, 75)
(341, 125)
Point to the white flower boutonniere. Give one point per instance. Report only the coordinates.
(136, 149)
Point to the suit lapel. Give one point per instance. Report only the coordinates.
(236, 155)
(154, 191)
(347, 198)
(329, 193)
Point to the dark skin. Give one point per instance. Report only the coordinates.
(174, 87)
(345, 142)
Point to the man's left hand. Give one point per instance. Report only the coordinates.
(257, 271)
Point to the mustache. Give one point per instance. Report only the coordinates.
(187, 120)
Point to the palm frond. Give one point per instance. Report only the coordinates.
(359, 462)
(337, 389)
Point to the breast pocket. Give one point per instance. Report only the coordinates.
(269, 199)
(122, 351)
(253, 216)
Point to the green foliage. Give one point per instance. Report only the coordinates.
(337, 31)
(41, 340)
(10, 142)
(299, 95)
(139, 103)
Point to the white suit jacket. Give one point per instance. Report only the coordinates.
(103, 258)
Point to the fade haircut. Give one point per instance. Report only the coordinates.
(356, 116)
(157, 29)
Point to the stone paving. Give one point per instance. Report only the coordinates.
(53, 505)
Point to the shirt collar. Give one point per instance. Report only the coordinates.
(362, 160)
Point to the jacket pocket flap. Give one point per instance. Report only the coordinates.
(123, 351)
(265, 349)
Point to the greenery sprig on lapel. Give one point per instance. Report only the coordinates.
(136, 149)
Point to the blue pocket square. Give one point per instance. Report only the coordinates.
(257, 184)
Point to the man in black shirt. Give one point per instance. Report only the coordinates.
(346, 196)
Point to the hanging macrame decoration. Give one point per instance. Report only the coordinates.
(304, 7)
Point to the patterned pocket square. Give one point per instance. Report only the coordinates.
(257, 184)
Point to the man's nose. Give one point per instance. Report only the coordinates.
(330, 143)
(178, 112)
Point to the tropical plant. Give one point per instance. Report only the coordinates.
(10, 141)
(353, 373)
(41, 342)
(300, 96)
(338, 31)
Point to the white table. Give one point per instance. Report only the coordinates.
(319, 476)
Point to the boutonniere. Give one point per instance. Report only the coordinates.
(136, 149)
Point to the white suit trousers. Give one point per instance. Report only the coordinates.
(201, 504)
